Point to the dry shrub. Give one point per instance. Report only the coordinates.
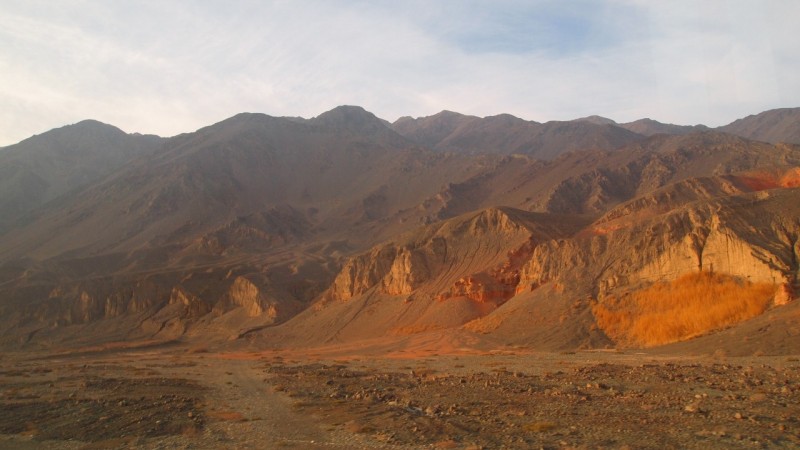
(687, 307)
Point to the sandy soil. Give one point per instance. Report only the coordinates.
(180, 397)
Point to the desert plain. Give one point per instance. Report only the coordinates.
(395, 395)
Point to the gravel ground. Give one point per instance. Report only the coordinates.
(595, 406)
(184, 400)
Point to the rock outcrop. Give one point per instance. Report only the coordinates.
(192, 305)
(495, 285)
(476, 255)
(81, 303)
(751, 236)
(152, 303)
(245, 294)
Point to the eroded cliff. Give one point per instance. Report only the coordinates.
(476, 255)
(752, 236)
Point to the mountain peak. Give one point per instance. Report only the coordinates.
(597, 120)
(75, 135)
(506, 119)
(431, 130)
(354, 118)
(90, 126)
(448, 113)
(93, 123)
(650, 127)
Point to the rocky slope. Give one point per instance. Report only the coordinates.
(593, 182)
(649, 127)
(255, 194)
(505, 134)
(541, 292)
(752, 236)
(776, 125)
(250, 164)
(476, 255)
(44, 167)
(439, 276)
(339, 228)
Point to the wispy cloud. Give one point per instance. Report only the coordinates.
(172, 67)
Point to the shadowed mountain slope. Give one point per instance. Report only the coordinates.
(244, 165)
(649, 127)
(44, 167)
(273, 200)
(343, 227)
(776, 125)
(593, 182)
(504, 134)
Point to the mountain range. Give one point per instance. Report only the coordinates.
(347, 228)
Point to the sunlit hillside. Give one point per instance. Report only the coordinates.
(689, 306)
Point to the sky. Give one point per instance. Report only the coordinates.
(172, 66)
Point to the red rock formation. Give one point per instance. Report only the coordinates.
(495, 285)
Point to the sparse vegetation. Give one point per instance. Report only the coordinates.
(689, 306)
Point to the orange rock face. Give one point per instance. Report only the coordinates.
(784, 295)
(763, 179)
(496, 285)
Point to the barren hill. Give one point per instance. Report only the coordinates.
(45, 167)
(592, 182)
(504, 134)
(273, 200)
(343, 227)
(430, 131)
(439, 276)
(776, 125)
(555, 266)
(649, 127)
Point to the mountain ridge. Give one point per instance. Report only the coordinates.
(265, 228)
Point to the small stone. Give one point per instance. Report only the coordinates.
(738, 416)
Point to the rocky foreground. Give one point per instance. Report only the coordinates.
(670, 405)
(178, 399)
